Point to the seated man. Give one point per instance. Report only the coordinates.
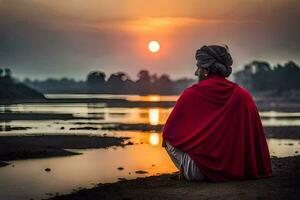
(214, 131)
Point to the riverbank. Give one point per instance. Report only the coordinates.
(264, 104)
(285, 184)
(43, 146)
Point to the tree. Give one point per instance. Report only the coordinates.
(164, 85)
(260, 76)
(143, 84)
(7, 72)
(119, 82)
(96, 78)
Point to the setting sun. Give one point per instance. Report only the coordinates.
(153, 46)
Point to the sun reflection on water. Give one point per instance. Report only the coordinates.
(154, 139)
(154, 116)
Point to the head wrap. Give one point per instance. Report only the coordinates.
(215, 58)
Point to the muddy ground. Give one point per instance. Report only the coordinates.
(285, 184)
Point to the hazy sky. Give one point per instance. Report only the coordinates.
(56, 38)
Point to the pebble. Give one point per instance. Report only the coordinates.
(47, 169)
(141, 172)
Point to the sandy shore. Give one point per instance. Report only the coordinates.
(285, 184)
(24, 147)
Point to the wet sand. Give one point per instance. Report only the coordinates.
(42, 146)
(283, 132)
(285, 184)
(2, 164)
(38, 116)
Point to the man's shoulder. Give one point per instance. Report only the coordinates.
(244, 94)
(244, 91)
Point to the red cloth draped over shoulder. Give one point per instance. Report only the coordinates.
(217, 123)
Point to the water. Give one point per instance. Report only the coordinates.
(27, 179)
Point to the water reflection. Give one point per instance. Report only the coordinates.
(154, 139)
(98, 113)
(27, 179)
(154, 116)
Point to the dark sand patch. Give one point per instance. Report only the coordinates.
(280, 117)
(39, 116)
(2, 164)
(132, 127)
(25, 147)
(285, 184)
(84, 128)
(141, 172)
(115, 102)
(14, 128)
(283, 132)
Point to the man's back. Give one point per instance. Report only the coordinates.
(216, 122)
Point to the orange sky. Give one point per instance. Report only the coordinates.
(72, 37)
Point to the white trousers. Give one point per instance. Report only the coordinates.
(183, 161)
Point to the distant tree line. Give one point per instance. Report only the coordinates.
(116, 83)
(261, 76)
(257, 76)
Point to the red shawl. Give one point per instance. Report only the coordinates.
(217, 123)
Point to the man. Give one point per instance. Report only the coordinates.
(214, 131)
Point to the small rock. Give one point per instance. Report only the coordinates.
(62, 128)
(141, 172)
(47, 169)
(153, 165)
(120, 168)
(296, 151)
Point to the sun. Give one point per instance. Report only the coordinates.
(153, 46)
